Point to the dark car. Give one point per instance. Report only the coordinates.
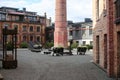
(37, 48)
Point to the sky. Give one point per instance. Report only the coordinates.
(77, 10)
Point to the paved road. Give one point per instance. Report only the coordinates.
(37, 66)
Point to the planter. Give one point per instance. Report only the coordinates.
(9, 64)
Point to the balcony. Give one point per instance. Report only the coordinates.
(21, 21)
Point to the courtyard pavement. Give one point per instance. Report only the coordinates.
(38, 66)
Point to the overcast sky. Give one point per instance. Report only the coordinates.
(77, 10)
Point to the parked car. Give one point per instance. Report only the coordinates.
(37, 48)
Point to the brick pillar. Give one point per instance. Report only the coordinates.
(60, 34)
(110, 32)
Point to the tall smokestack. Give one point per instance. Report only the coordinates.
(60, 34)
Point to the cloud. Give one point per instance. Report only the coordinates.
(77, 10)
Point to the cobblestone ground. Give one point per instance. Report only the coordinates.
(37, 66)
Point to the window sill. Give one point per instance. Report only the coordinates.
(117, 21)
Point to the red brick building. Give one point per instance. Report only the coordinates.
(31, 27)
(106, 23)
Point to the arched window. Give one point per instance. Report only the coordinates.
(24, 38)
(38, 38)
(6, 25)
(16, 26)
(31, 38)
(31, 28)
(24, 28)
(38, 28)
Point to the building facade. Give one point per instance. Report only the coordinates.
(106, 24)
(50, 33)
(81, 32)
(30, 26)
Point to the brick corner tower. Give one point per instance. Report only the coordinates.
(60, 33)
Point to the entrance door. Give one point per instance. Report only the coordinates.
(97, 50)
(105, 51)
(118, 53)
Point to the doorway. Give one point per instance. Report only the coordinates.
(105, 51)
(97, 50)
(118, 53)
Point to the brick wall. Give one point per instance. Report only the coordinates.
(105, 26)
(104, 29)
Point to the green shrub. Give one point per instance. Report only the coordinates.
(74, 45)
(24, 45)
(81, 49)
(49, 44)
(89, 47)
(9, 46)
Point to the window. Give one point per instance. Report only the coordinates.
(24, 38)
(17, 18)
(38, 38)
(84, 43)
(34, 18)
(104, 4)
(30, 18)
(97, 9)
(91, 42)
(117, 13)
(6, 25)
(31, 38)
(2, 17)
(16, 26)
(9, 17)
(77, 33)
(24, 28)
(83, 32)
(31, 28)
(90, 30)
(42, 20)
(38, 29)
(71, 33)
(13, 18)
(117, 3)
